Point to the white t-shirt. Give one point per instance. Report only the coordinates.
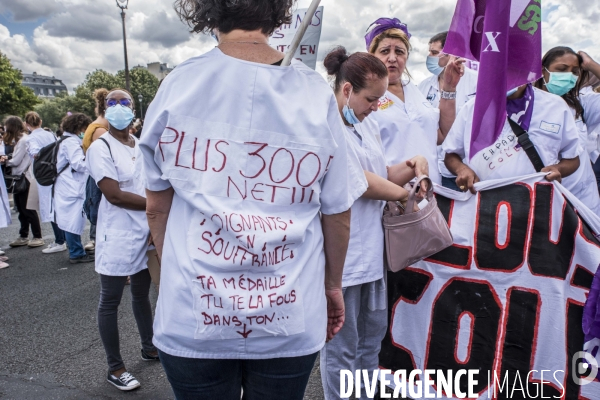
(121, 234)
(465, 91)
(409, 128)
(552, 130)
(364, 260)
(254, 157)
(37, 139)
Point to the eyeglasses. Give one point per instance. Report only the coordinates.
(113, 102)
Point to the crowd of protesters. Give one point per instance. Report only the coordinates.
(372, 131)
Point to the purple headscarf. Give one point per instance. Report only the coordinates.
(382, 25)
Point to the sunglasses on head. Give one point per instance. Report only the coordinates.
(113, 102)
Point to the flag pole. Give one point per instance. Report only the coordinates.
(300, 33)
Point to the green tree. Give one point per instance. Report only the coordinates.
(52, 111)
(15, 99)
(94, 80)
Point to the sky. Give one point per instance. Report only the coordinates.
(70, 38)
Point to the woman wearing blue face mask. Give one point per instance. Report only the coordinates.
(115, 162)
(564, 74)
(69, 189)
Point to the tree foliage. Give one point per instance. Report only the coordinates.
(15, 99)
(141, 80)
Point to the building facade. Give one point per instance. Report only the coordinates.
(44, 86)
(159, 70)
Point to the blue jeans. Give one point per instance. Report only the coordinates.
(269, 379)
(74, 243)
(450, 183)
(59, 234)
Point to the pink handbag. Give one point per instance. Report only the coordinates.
(411, 236)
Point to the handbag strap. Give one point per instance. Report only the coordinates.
(410, 205)
(527, 145)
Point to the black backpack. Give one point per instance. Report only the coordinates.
(44, 164)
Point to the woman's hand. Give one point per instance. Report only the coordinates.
(3, 159)
(335, 311)
(587, 60)
(455, 69)
(553, 173)
(466, 179)
(420, 166)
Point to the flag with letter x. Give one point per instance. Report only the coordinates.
(506, 38)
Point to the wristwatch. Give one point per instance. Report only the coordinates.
(448, 95)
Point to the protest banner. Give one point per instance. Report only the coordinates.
(506, 299)
(309, 46)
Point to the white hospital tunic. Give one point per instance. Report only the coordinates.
(36, 140)
(364, 260)
(254, 157)
(582, 183)
(69, 189)
(122, 234)
(465, 91)
(409, 128)
(552, 130)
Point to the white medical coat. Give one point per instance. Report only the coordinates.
(552, 130)
(37, 139)
(409, 128)
(121, 234)
(69, 189)
(254, 153)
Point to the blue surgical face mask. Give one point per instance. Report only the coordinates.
(119, 116)
(81, 135)
(349, 115)
(433, 65)
(560, 83)
(511, 92)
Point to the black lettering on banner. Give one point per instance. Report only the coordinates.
(546, 257)
(518, 349)
(582, 278)
(489, 255)
(455, 256)
(587, 234)
(408, 285)
(480, 300)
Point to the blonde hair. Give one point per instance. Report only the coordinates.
(393, 33)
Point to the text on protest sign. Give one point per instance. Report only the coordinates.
(309, 46)
(506, 299)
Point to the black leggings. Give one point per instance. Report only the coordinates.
(111, 291)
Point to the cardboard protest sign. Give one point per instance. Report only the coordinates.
(506, 299)
(307, 51)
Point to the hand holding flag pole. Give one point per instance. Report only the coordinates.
(300, 33)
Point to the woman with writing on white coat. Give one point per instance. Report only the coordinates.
(69, 188)
(360, 80)
(114, 161)
(252, 181)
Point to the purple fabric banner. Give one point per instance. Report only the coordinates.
(506, 38)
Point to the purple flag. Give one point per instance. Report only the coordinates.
(506, 38)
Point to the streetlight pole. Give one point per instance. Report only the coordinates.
(141, 98)
(122, 4)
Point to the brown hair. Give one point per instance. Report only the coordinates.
(572, 96)
(355, 68)
(33, 119)
(75, 123)
(439, 37)
(14, 130)
(392, 34)
(100, 98)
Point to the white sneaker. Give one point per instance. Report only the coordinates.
(2, 252)
(125, 382)
(55, 248)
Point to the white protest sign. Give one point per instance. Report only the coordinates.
(307, 51)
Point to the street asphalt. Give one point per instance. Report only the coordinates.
(49, 342)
